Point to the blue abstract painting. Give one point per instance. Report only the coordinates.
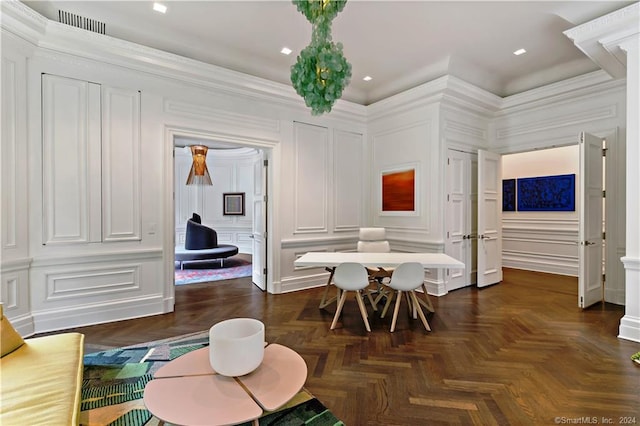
(547, 193)
(509, 195)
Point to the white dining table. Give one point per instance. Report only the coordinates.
(330, 260)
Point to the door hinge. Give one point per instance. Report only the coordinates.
(265, 163)
(448, 161)
(604, 193)
(604, 234)
(265, 199)
(604, 152)
(264, 271)
(447, 234)
(447, 197)
(603, 277)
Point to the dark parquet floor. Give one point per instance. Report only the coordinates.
(517, 353)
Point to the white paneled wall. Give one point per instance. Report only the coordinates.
(325, 183)
(311, 148)
(121, 156)
(14, 254)
(349, 172)
(71, 143)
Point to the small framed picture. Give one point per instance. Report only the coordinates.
(233, 203)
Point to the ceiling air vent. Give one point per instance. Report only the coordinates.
(81, 22)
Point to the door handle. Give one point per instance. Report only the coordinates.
(587, 243)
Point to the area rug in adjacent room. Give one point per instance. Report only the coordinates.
(114, 381)
(200, 272)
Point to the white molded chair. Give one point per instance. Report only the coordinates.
(351, 276)
(407, 277)
(374, 240)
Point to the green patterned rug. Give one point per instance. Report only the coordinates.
(114, 381)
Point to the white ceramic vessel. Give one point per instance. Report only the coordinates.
(236, 346)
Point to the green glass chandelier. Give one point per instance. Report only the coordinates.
(321, 71)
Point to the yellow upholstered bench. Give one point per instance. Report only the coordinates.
(40, 378)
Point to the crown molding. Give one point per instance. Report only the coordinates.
(593, 82)
(22, 21)
(447, 89)
(600, 38)
(54, 36)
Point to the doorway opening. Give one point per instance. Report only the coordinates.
(219, 218)
(541, 241)
(256, 211)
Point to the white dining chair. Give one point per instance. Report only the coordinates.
(351, 276)
(407, 278)
(374, 240)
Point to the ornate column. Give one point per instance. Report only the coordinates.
(630, 323)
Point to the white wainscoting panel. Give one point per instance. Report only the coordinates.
(68, 294)
(121, 164)
(73, 284)
(541, 245)
(311, 180)
(10, 290)
(349, 177)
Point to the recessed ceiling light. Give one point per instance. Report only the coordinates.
(367, 78)
(160, 8)
(519, 52)
(285, 51)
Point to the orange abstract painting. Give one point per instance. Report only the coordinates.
(398, 191)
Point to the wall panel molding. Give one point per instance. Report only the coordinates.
(558, 121)
(541, 244)
(458, 130)
(545, 262)
(349, 180)
(220, 117)
(311, 182)
(121, 164)
(9, 156)
(74, 258)
(71, 157)
(77, 283)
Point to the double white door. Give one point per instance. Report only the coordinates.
(473, 218)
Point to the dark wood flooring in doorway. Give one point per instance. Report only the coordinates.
(517, 353)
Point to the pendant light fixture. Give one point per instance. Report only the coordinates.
(321, 71)
(199, 174)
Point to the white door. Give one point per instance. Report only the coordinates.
(259, 236)
(489, 218)
(590, 232)
(460, 218)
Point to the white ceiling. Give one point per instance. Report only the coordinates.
(401, 44)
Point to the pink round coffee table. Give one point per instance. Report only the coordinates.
(187, 391)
